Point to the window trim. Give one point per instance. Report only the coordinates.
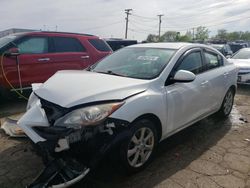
(169, 80)
(53, 49)
(26, 37)
(206, 50)
(92, 39)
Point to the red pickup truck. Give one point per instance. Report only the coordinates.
(41, 54)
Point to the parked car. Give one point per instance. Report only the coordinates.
(242, 60)
(42, 54)
(117, 44)
(224, 49)
(130, 101)
(237, 46)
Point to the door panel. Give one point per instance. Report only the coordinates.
(187, 101)
(215, 73)
(10, 70)
(69, 61)
(35, 68)
(32, 69)
(68, 54)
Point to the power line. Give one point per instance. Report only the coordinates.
(141, 29)
(142, 24)
(188, 23)
(103, 26)
(136, 31)
(216, 24)
(144, 17)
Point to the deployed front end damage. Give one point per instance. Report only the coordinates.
(71, 141)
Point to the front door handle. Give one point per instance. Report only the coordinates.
(203, 84)
(85, 57)
(43, 59)
(226, 73)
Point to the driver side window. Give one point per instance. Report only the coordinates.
(33, 45)
(192, 62)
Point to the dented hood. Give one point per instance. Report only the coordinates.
(71, 88)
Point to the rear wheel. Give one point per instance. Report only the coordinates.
(137, 151)
(227, 104)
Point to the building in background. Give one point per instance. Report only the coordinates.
(14, 30)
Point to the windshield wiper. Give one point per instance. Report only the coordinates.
(111, 72)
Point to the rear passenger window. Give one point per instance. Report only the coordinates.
(33, 45)
(192, 62)
(212, 60)
(100, 45)
(65, 44)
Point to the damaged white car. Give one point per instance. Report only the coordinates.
(131, 100)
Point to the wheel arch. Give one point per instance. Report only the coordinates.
(155, 119)
(233, 87)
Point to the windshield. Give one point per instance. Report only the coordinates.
(142, 63)
(242, 54)
(6, 40)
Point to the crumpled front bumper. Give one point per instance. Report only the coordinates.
(56, 145)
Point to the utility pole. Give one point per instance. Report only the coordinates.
(127, 12)
(160, 15)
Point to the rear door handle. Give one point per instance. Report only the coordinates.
(85, 57)
(226, 73)
(43, 59)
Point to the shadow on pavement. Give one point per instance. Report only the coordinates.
(173, 155)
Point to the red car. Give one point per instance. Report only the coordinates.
(41, 54)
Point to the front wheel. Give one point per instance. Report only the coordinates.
(227, 104)
(137, 151)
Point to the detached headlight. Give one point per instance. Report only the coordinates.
(87, 116)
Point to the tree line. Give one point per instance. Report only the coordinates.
(199, 34)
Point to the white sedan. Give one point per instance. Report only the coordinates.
(130, 101)
(242, 60)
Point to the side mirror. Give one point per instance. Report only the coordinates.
(184, 76)
(13, 52)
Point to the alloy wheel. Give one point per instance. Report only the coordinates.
(228, 103)
(140, 147)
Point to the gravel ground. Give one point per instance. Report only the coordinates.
(211, 153)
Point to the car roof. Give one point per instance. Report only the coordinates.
(168, 45)
(54, 33)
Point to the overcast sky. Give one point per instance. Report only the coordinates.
(106, 18)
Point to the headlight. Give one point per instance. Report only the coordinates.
(87, 116)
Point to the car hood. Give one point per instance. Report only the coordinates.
(71, 88)
(241, 63)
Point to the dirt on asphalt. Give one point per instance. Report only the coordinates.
(212, 153)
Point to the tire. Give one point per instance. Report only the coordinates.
(137, 151)
(227, 104)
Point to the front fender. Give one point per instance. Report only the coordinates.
(149, 102)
